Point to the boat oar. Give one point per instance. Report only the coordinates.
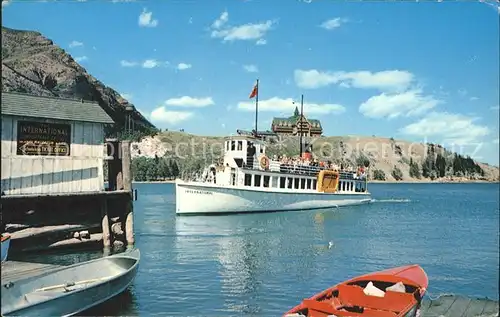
(69, 284)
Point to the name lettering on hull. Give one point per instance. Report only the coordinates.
(200, 192)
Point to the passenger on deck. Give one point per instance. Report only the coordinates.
(250, 154)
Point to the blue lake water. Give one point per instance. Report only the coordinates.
(264, 264)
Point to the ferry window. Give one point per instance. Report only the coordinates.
(282, 182)
(248, 179)
(256, 180)
(274, 181)
(290, 182)
(261, 149)
(314, 183)
(309, 184)
(266, 180)
(240, 145)
(232, 145)
(227, 145)
(296, 183)
(302, 183)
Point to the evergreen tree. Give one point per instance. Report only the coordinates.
(397, 173)
(414, 169)
(440, 165)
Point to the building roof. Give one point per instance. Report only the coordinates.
(18, 104)
(294, 119)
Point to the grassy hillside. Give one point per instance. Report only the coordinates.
(396, 159)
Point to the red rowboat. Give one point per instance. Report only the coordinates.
(395, 292)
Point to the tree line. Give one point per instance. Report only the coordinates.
(437, 165)
(156, 168)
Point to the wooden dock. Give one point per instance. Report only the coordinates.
(459, 306)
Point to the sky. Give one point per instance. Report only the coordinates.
(412, 70)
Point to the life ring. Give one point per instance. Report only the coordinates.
(264, 162)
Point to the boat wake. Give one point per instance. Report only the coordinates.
(390, 200)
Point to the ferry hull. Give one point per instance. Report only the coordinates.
(201, 198)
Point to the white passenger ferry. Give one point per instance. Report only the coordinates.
(248, 181)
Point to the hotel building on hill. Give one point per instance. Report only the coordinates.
(294, 126)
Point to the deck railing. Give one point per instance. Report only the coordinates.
(306, 170)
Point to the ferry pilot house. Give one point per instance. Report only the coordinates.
(249, 166)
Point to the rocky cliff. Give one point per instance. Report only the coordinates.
(33, 64)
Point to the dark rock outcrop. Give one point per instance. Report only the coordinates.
(33, 64)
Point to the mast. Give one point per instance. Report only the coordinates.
(300, 122)
(256, 108)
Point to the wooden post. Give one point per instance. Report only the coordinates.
(127, 185)
(126, 166)
(106, 235)
(129, 223)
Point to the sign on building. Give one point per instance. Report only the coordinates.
(38, 138)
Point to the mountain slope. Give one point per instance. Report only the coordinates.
(33, 64)
(384, 154)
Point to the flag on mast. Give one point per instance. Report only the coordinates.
(255, 90)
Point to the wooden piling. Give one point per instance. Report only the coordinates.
(106, 235)
(126, 165)
(128, 224)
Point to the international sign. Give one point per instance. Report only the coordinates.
(38, 138)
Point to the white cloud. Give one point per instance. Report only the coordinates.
(151, 63)
(409, 103)
(80, 59)
(244, 32)
(451, 128)
(75, 44)
(395, 80)
(186, 101)
(495, 108)
(146, 19)
(148, 63)
(251, 68)
(473, 98)
(277, 104)
(333, 23)
(183, 66)
(125, 63)
(161, 114)
(224, 17)
(495, 141)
